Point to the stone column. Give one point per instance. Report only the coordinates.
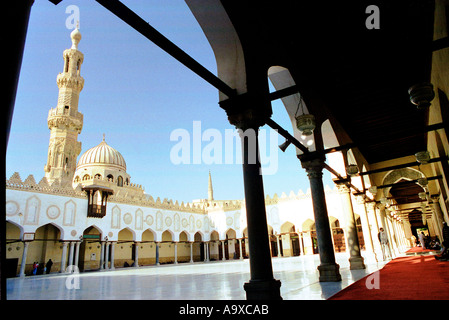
(376, 229)
(278, 240)
(241, 251)
(301, 244)
(157, 253)
(223, 250)
(355, 258)
(384, 222)
(112, 255)
(262, 284)
(176, 252)
(366, 227)
(435, 205)
(102, 256)
(77, 253)
(106, 255)
(329, 270)
(71, 251)
(191, 252)
(63, 257)
(136, 254)
(24, 258)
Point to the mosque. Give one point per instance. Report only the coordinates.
(388, 155)
(89, 214)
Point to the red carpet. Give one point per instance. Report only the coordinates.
(405, 278)
(419, 249)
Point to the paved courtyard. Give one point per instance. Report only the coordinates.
(199, 281)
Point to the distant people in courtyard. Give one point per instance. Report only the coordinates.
(48, 266)
(35, 265)
(445, 252)
(40, 268)
(414, 243)
(383, 239)
(422, 240)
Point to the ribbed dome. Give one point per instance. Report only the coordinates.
(103, 155)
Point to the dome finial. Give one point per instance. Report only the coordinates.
(76, 36)
(103, 137)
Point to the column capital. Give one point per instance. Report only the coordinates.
(247, 110)
(342, 185)
(314, 167)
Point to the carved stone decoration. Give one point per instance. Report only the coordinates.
(149, 220)
(53, 212)
(159, 221)
(32, 209)
(139, 219)
(128, 218)
(12, 208)
(69, 213)
(115, 219)
(168, 221)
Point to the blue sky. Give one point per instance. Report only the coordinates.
(135, 94)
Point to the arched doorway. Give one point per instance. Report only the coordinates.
(198, 247)
(273, 242)
(167, 248)
(290, 240)
(90, 249)
(125, 250)
(214, 246)
(147, 253)
(14, 249)
(245, 243)
(309, 237)
(338, 235)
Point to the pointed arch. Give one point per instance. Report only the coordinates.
(125, 234)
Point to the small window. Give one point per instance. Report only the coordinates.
(120, 181)
(110, 177)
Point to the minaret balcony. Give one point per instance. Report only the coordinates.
(68, 80)
(60, 118)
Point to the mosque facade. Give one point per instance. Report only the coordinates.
(88, 213)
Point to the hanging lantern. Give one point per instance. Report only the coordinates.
(421, 94)
(422, 157)
(352, 170)
(422, 182)
(373, 190)
(422, 195)
(306, 124)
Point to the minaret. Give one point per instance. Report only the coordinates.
(64, 121)
(210, 190)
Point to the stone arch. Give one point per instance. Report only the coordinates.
(198, 236)
(287, 226)
(308, 225)
(167, 234)
(396, 175)
(125, 233)
(149, 235)
(184, 236)
(281, 78)
(56, 226)
(14, 226)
